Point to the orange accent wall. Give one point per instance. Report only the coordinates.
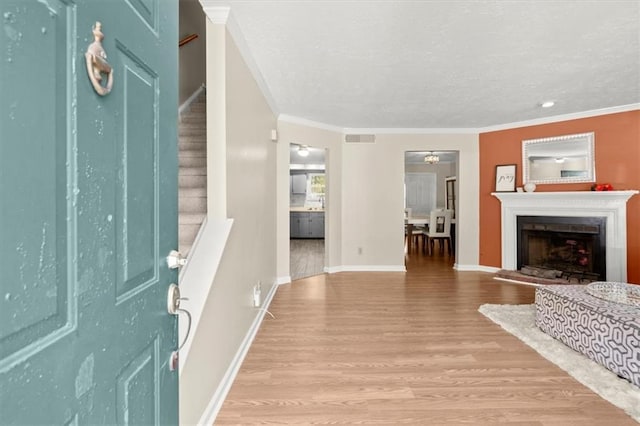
(617, 155)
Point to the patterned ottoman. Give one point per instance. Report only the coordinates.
(607, 332)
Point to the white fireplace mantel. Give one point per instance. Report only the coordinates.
(609, 204)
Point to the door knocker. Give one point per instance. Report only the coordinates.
(97, 63)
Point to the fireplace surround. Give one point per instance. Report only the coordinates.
(610, 205)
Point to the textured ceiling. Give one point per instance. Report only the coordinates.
(440, 64)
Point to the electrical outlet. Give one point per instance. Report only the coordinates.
(257, 295)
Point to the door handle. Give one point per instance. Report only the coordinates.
(175, 259)
(173, 307)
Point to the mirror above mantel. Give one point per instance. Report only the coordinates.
(559, 159)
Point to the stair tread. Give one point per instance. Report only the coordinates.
(192, 180)
(193, 171)
(187, 233)
(192, 191)
(192, 204)
(192, 153)
(191, 218)
(192, 130)
(192, 157)
(192, 146)
(193, 162)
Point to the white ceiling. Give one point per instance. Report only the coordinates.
(440, 64)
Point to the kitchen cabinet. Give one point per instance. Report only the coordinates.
(294, 224)
(316, 225)
(306, 224)
(299, 184)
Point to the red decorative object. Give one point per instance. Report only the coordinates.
(601, 187)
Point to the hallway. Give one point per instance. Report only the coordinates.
(306, 257)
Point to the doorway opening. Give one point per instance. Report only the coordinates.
(430, 183)
(307, 205)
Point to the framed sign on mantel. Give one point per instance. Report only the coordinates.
(506, 178)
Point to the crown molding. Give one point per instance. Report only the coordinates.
(462, 130)
(370, 131)
(216, 14)
(309, 123)
(243, 48)
(222, 15)
(410, 131)
(564, 117)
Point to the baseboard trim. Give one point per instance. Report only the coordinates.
(283, 280)
(475, 268)
(516, 281)
(395, 268)
(490, 269)
(186, 104)
(364, 268)
(210, 413)
(373, 268)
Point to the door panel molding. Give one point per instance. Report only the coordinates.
(40, 303)
(130, 397)
(137, 236)
(147, 11)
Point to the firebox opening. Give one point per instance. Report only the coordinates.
(573, 247)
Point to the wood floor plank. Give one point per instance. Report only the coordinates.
(403, 348)
(306, 257)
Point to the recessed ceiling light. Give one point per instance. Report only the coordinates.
(547, 104)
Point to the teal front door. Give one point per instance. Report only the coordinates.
(88, 213)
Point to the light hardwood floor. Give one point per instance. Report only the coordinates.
(396, 348)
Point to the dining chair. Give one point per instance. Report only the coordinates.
(439, 229)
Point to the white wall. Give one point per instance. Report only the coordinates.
(373, 214)
(239, 130)
(365, 202)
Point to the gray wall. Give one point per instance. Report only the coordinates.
(192, 68)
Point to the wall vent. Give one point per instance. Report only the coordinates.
(359, 138)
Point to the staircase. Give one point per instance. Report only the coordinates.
(192, 173)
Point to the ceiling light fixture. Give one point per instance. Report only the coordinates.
(303, 151)
(547, 104)
(431, 158)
